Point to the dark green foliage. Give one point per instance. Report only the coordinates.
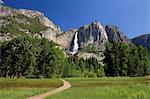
(124, 60)
(33, 57)
(89, 74)
(75, 67)
(15, 57)
(101, 72)
(50, 61)
(25, 56)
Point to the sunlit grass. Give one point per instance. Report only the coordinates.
(21, 88)
(107, 88)
(20, 93)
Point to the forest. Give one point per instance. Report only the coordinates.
(39, 58)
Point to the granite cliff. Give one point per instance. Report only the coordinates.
(87, 41)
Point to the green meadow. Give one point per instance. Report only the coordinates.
(82, 88)
(20, 88)
(106, 88)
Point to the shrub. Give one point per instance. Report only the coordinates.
(101, 72)
(89, 74)
(77, 73)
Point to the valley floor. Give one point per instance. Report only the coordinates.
(81, 88)
(66, 85)
(106, 88)
(20, 88)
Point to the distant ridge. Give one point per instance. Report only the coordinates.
(143, 40)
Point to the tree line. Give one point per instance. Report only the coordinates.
(39, 58)
(124, 60)
(30, 57)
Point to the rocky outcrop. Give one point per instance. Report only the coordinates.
(49, 33)
(143, 40)
(10, 15)
(85, 55)
(7, 11)
(41, 18)
(65, 38)
(92, 34)
(114, 34)
(6, 38)
(92, 39)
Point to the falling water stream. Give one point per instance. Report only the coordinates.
(75, 46)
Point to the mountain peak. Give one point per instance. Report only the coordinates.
(114, 34)
(96, 22)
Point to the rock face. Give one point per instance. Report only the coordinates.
(87, 41)
(143, 40)
(41, 18)
(66, 38)
(21, 17)
(7, 11)
(94, 34)
(92, 39)
(114, 34)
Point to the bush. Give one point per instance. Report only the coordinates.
(77, 73)
(89, 74)
(101, 72)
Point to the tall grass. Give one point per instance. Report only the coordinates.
(111, 92)
(106, 88)
(20, 93)
(20, 88)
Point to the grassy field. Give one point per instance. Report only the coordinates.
(106, 88)
(20, 88)
(82, 88)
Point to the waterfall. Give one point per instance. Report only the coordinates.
(75, 46)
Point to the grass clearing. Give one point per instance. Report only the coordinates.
(106, 88)
(20, 88)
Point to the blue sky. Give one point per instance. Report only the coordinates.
(131, 16)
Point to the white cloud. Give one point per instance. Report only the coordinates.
(1, 2)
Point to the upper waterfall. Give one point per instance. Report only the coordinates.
(76, 45)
